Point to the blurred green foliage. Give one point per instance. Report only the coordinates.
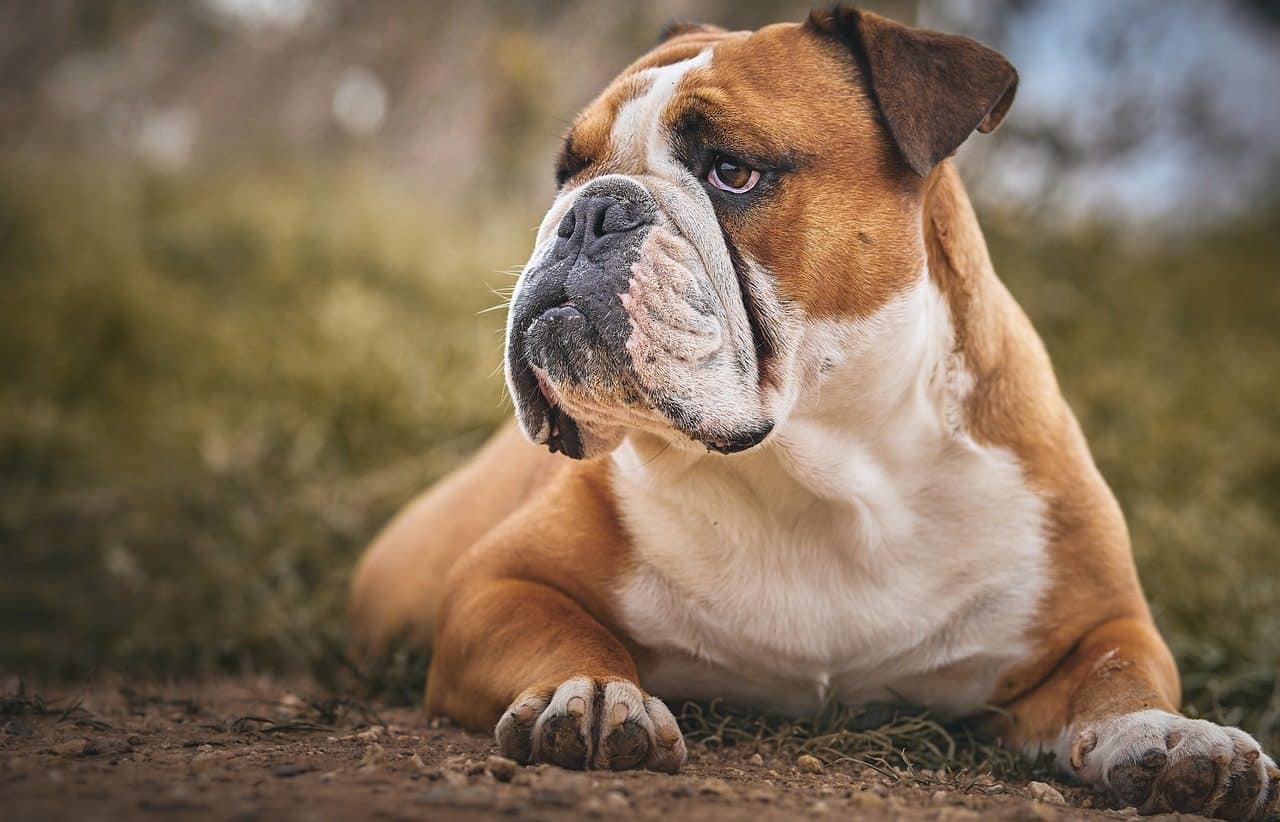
(219, 384)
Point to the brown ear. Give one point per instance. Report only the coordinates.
(933, 89)
(678, 28)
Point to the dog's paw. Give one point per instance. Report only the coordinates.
(591, 723)
(1159, 762)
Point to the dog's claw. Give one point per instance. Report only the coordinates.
(589, 723)
(1159, 762)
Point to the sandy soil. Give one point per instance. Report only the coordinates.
(260, 749)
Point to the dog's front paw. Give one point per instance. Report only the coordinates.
(606, 724)
(1158, 762)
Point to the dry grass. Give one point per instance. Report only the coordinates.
(219, 384)
(900, 741)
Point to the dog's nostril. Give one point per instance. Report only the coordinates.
(562, 314)
(604, 215)
(567, 225)
(598, 224)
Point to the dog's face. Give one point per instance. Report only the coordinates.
(727, 206)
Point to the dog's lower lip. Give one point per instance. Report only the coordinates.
(741, 442)
(562, 434)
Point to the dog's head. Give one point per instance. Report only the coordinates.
(724, 204)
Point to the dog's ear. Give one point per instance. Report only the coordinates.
(676, 28)
(932, 89)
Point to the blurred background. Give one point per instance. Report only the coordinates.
(247, 248)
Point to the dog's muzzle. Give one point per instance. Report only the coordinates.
(568, 325)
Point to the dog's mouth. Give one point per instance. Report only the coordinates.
(563, 435)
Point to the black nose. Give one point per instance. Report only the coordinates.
(599, 219)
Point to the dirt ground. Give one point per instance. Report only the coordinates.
(247, 749)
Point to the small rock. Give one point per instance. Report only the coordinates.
(867, 801)
(418, 764)
(757, 760)
(682, 790)
(456, 763)
(593, 808)
(760, 795)
(554, 796)
(474, 767)
(72, 747)
(293, 703)
(940, 797)
(1036, 812)
(207, 760)
(616, 800)
(375, 754)
(714, 787)
(503, 769)
(809, 764)
(819, 808)
(107, 747)
(1044, 792)
(16, 728)
(456, 779)
(291, 770)
(444, 795)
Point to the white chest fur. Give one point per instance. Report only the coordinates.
(870, 550)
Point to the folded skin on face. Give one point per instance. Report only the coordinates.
(619, 324)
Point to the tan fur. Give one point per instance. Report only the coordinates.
(1095, 604)
(528, 606)
(398, 585)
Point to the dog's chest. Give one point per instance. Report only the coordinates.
(919, 581)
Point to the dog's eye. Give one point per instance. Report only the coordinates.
(731, 176)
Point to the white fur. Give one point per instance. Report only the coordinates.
(869, 550)
(637, 137)
(1091, 750)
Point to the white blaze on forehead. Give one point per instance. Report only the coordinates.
(639, 140)
(637, 129)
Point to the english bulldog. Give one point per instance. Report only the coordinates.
(814, 448)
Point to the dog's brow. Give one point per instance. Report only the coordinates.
(569, 162)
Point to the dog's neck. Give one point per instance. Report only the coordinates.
(878, 395)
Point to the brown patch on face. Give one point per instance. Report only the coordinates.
(839, 228)
(587, 151)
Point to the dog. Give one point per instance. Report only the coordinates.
(816, 449)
